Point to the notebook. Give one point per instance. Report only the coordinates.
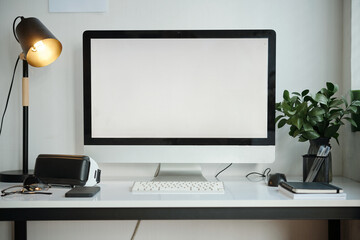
(312, 196)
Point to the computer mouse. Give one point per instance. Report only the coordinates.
(275, 179)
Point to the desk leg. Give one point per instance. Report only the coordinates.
(20, 230)
(334, 227)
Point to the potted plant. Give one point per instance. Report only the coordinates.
(317, 118)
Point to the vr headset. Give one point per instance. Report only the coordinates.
(73, 170)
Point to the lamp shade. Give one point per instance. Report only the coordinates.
(39, 45)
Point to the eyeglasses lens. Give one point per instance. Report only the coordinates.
(37, 187)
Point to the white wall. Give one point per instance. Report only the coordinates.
(309, 53)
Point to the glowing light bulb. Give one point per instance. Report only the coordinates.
(38, 46)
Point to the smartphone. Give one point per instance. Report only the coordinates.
(82, 192)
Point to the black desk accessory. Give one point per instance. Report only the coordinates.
(355, 95)
(40, 48)
(316, 167)
(275, 179)
(83, 192)
(73, 170)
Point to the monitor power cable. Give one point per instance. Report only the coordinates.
(135, 229)
(223, 170)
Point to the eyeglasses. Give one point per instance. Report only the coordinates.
(31, 185)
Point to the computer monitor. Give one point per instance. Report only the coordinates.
(189, 96)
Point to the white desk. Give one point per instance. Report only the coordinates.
(242, 200)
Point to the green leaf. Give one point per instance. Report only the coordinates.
(333, 88)
(278, 118)
(326, 92)
(282, 123)
(311, 135)
(336, 110)
(356, 103)
(296, 93)
(316, 111)
(302, 139)
(321, 98)
(312, 122)
(293, 100)
(287, 109)
(303, 93)
(352, 109)
(335, 115)
(336, 103)
(331, 130)
(309, 99)
(302, 109)
(297, 122)
(286, 95)
(285, 106)
(330, 86)
(317, 119)
(352, 122)
(294, 131)
(308, 127)
(291, 112)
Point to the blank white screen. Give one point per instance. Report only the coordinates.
(179, 88)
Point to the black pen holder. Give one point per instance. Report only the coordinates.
(324, 172)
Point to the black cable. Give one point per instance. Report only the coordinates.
(12, 80)
(8, 97)
(223, 170)
(136, 229)
(264, 174)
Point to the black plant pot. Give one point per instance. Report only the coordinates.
(325, 172)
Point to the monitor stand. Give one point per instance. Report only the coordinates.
(179, 172)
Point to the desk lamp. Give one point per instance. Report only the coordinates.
(40, 48)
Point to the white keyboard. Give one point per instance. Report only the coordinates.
(182, 187)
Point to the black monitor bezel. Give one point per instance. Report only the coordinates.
(108, 34)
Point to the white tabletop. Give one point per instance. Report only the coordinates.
(239, 192)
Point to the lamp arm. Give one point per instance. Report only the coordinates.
(25, 84)
(25, 103)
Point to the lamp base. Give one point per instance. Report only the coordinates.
(14, 176)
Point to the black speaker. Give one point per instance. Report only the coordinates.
(74, 170)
